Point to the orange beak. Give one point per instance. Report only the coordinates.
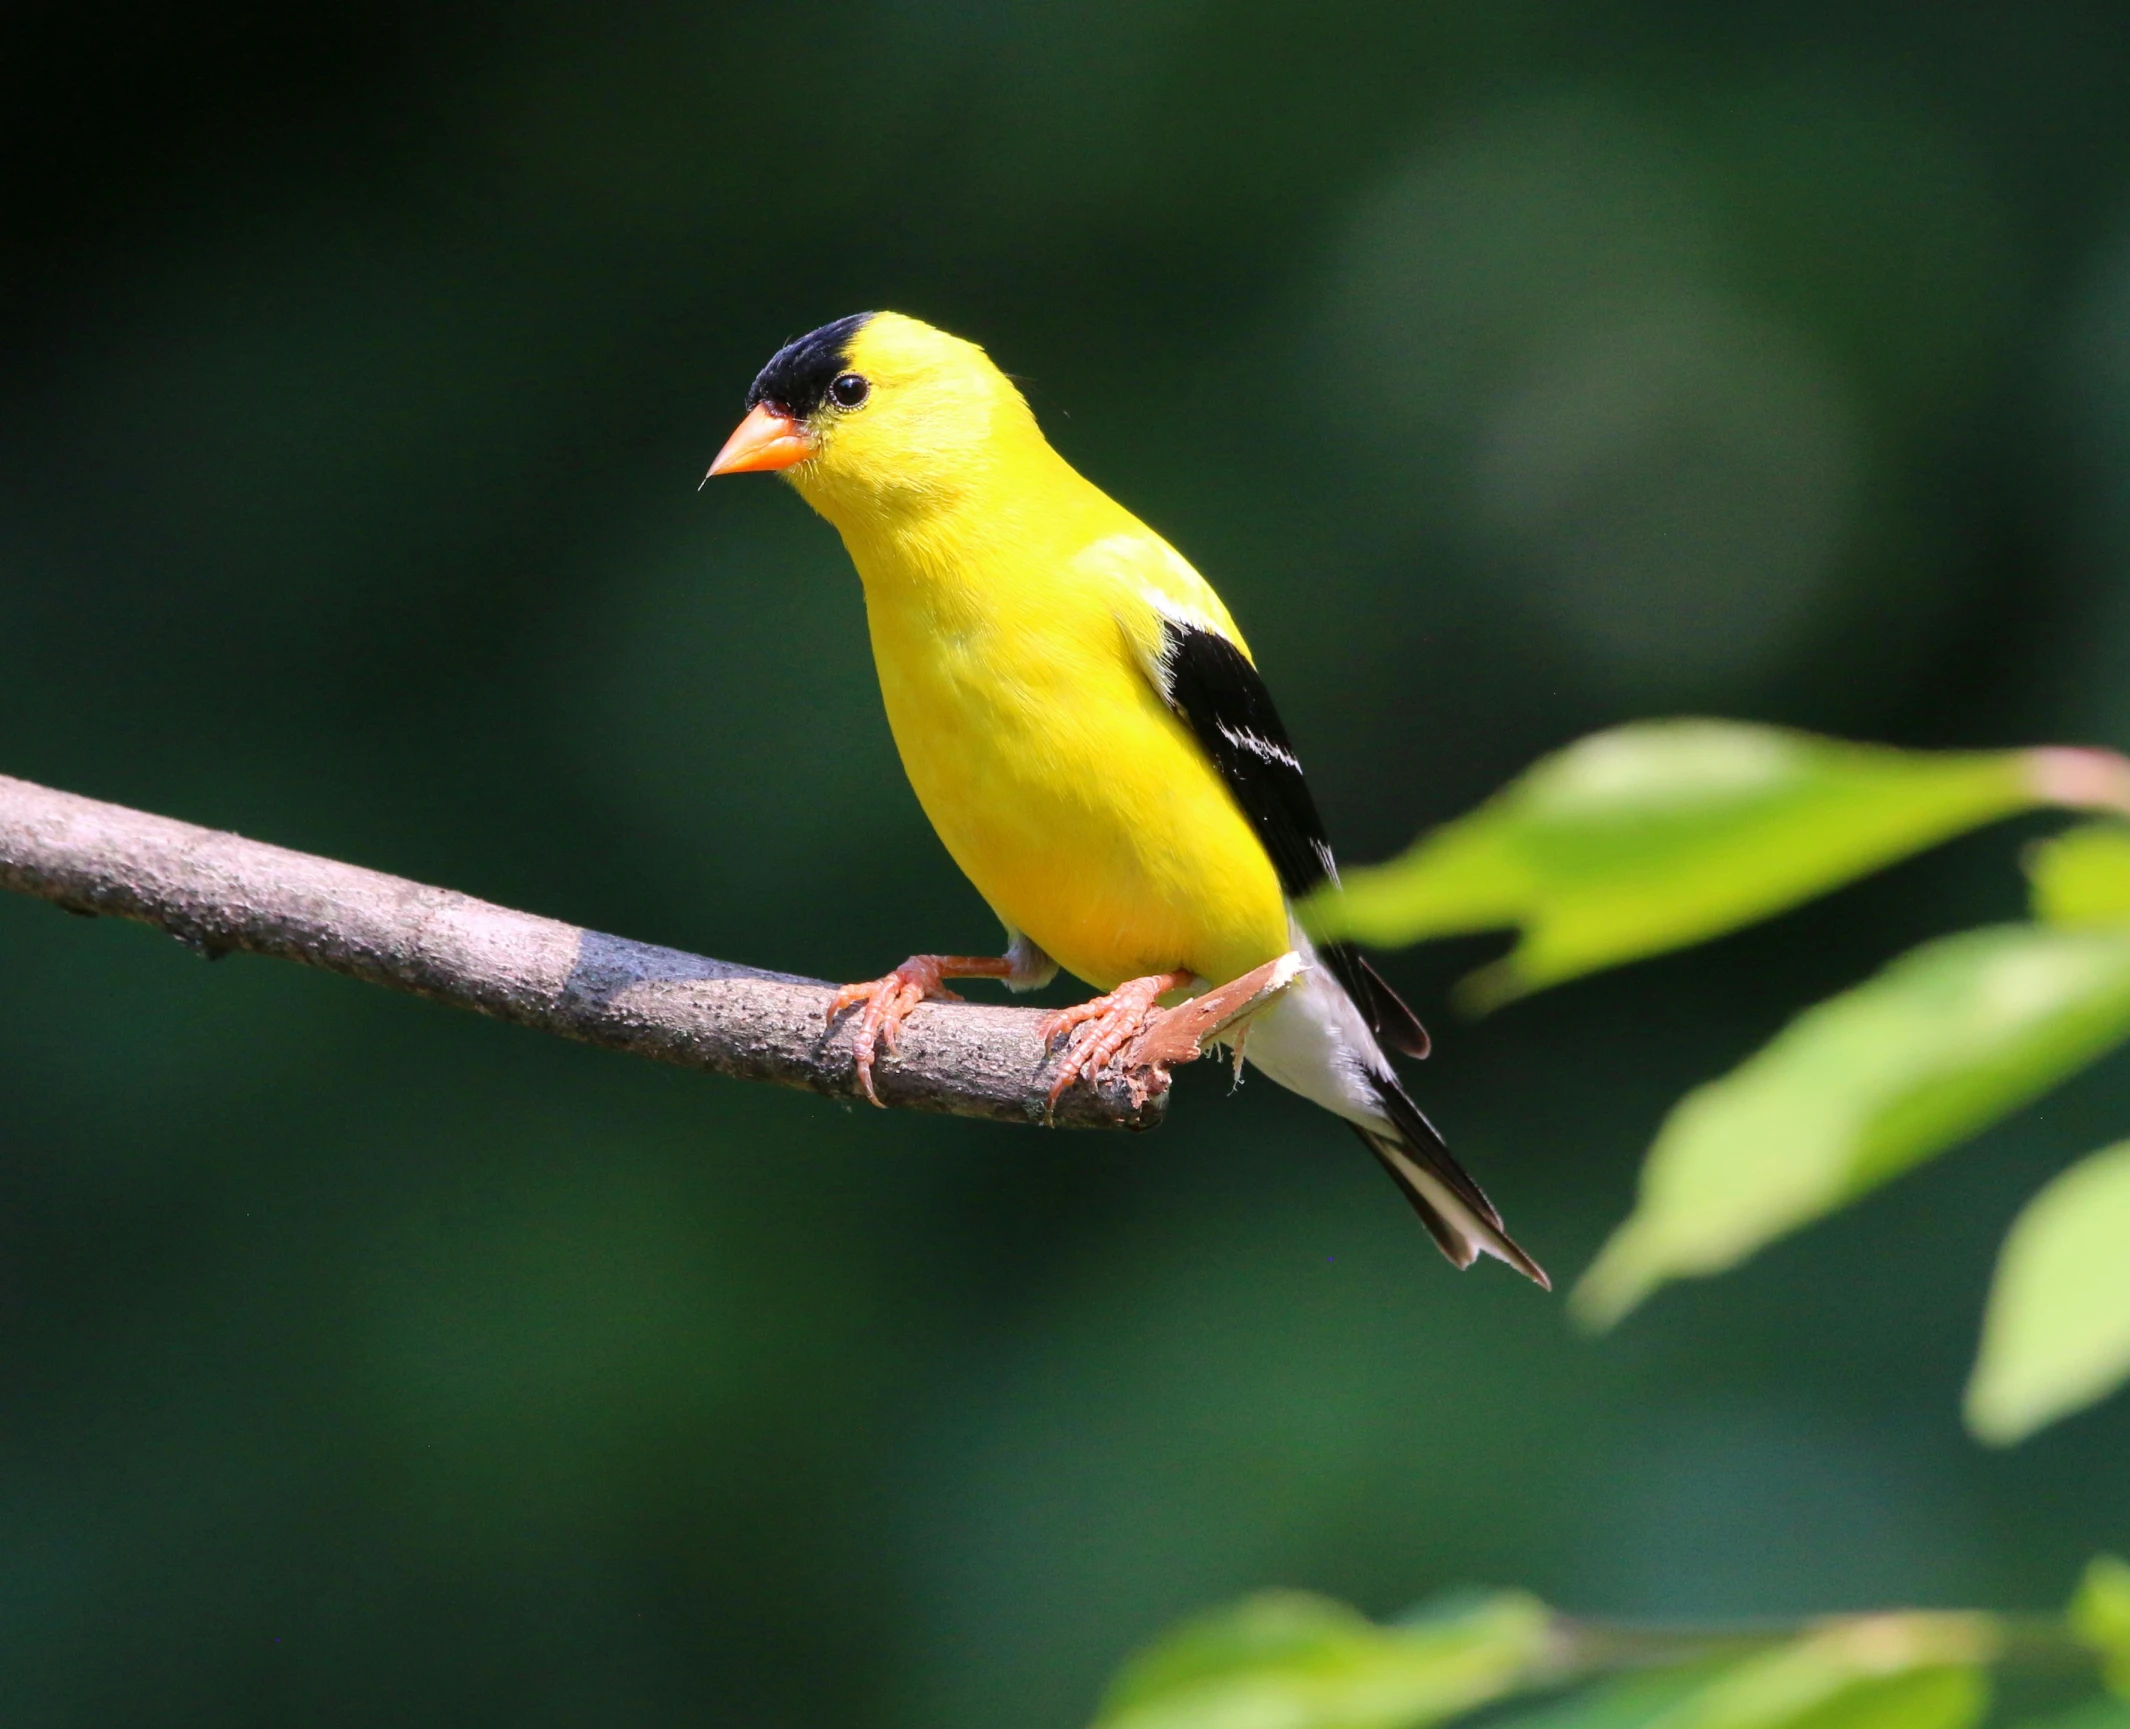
(764, 440)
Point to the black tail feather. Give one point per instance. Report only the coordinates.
(1384, 1010)
(1423, 1143)
(1451, 1241)
(1418, 1142)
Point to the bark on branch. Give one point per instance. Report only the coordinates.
(219, 894)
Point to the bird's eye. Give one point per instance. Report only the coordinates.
(849, 390)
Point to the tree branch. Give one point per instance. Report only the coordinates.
(218, 893)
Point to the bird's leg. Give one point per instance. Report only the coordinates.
(889, 1000)
(1098, 1029)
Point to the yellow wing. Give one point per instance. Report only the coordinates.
(1151, 584)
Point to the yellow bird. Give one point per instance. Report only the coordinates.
(1086, 730)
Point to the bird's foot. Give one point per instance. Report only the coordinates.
(1126, 1025)
(888, 1001)
(1096, 1030)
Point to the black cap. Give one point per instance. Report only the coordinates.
(796, 380)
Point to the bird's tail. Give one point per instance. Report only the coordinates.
(1454, 1209)
(1318, 1041)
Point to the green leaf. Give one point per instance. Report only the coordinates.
(2083, 877)
(2056, 1336)
(1791, 1696)
(1630, 1702)
(1876, 1672)
(1286, 1660)
(1654, 836)
(2100, 1617)
(1944, 1041)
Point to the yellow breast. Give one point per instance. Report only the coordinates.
(1078, 805)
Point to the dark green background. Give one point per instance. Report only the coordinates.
(1513, 369)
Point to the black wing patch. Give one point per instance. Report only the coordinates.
(1211, 684)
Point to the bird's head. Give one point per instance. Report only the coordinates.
(878, 414)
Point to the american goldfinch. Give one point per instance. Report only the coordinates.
(1086, 729)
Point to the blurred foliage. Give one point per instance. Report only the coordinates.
(2057, 1335)
(1650, 837)
(1284, 1658)
(2082, 877)
(1945, 1041)
(1291, 1662)
(2100, 1616)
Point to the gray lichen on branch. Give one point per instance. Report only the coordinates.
(220, 894)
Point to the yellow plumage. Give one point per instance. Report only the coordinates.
(1013, 610)
(1084, 726)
